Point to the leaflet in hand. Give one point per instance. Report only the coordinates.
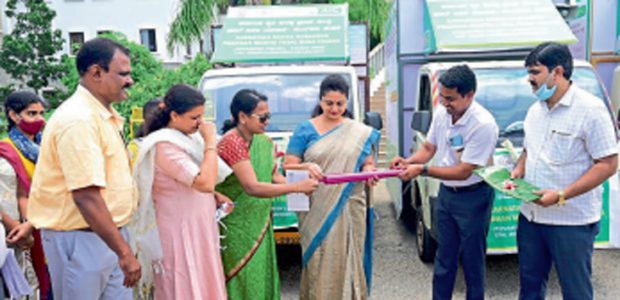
(297, 201)
(499, 179)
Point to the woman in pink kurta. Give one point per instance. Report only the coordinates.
(175, 227)
(187, 228)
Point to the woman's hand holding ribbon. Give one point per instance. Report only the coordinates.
(315, 170)
(374, 180)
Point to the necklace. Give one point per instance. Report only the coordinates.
(243, 136)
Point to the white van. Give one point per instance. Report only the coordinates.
(503, 89)
(293, 92)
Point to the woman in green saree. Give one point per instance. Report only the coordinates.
(248, 248)
(336, 233)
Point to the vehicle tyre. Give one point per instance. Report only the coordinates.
(426, 244)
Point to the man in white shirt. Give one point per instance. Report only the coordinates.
(569, 151)
(462, 137)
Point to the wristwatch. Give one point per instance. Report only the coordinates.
(562, 199)
(424, 170)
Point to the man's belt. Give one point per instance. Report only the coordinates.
(470, 187)
(88, 229)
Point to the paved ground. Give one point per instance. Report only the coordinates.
(399, 274)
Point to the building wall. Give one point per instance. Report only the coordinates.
(126, 16)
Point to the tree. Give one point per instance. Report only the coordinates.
(28, 53)
(195, 16)
(192, 21)
(151, 79)
(372, 11)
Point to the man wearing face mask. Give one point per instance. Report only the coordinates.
(569, 151)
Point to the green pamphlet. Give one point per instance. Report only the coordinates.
(499, 179)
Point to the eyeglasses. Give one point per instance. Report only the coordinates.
(263, 118)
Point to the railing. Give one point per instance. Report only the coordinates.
(376, 62)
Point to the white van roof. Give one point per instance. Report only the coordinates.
(434, 67)
(289, 69)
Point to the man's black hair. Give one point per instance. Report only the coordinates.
(551, 55)
(98, 51)
(460, 77)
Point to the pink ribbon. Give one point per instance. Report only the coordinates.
(362, 176)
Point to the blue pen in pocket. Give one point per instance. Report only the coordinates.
(456, 142)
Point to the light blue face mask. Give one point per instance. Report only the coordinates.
(544, 93)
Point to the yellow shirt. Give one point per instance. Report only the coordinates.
(81, 147)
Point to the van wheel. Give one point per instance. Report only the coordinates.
(426, 244)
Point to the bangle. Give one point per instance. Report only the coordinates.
(210, 148)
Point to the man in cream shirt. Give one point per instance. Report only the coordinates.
(82, 191)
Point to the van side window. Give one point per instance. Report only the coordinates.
(425, 94)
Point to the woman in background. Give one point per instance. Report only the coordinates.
(148, 111)
(24, 113)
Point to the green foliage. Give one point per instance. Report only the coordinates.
(4, 92)
(372, 11)
(195, 16)
(192, 21)
(71, 78)
(143, 63)
(151, 79)
(28, 52)
(191, 72)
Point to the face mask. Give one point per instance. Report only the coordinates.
(31, 127)
(544, 93)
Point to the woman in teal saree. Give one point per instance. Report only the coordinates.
(336, 233)
(248, 246)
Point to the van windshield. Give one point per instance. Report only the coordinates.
(506, 93)
(292, 97)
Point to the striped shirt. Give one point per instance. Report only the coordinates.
(562, 144)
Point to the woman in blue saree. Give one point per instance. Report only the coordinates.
(336, 233)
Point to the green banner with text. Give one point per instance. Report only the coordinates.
(499, 24)
(284, 33)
